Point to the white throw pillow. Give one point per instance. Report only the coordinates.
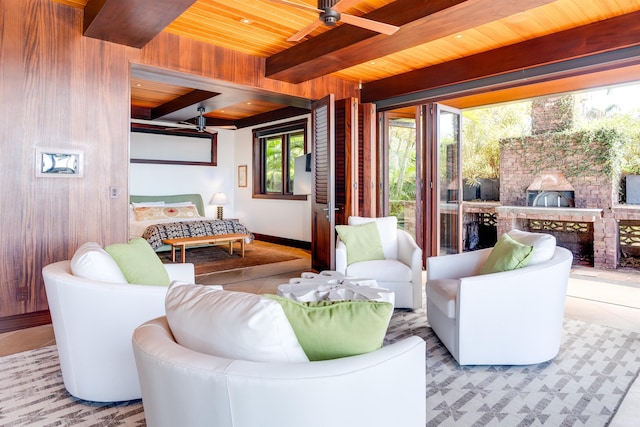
(544, 245)
(235, 325)
(92, 262)
(388, 228)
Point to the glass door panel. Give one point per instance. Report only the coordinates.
(402, 175)
(449, 180)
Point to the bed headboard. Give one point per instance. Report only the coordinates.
(176, 198)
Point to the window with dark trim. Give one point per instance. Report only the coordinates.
(274, 151)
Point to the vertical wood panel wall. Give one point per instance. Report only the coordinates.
(57, 90)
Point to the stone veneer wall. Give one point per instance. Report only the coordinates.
(521, 160)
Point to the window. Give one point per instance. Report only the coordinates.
(274, 151)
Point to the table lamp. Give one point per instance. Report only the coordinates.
(219, 199)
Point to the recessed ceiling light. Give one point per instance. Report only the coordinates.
(372, 63)
(458, 36)
(245, 21)
(139, 85)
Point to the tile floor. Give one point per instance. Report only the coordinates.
(609, 298)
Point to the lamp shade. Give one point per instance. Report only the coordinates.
(219, 199)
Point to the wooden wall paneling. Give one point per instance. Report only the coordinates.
(58, 90)
(173, 52)
(366, 165)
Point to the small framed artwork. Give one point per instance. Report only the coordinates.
(242, 176)
(54, 162)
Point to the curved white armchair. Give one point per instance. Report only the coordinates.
(181, 387)
(93, 323)
(507, 318)
(400, 272)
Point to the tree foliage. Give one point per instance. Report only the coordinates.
(402, 160)
(482, 130)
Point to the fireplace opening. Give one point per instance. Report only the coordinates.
(551, 190)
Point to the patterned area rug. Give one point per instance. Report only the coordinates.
(583, 385)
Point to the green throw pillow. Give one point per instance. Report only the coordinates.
(506, 255)
(330, 330)
(362, 241)
(139, 262)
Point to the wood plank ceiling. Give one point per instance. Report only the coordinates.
(438, 41)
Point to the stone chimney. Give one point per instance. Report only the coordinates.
(553, 114)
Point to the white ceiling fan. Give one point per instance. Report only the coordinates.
(200, 124)
(331, 12)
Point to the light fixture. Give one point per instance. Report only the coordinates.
(219, 199)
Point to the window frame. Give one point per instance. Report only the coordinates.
(259, 171)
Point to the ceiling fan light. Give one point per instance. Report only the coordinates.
(330, 17)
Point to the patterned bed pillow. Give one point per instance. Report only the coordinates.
(150, 213)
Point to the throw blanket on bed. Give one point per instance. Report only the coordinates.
(211, 227)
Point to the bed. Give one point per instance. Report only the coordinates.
(149, 219)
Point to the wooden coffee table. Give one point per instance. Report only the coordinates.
(183, 242)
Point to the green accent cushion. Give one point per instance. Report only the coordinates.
(330, 330)
(362, 241)
(139, 262)
(506, 255)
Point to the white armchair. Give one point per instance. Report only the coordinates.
(182, 387)
(400, 271)
(93, 322)
(506, 318)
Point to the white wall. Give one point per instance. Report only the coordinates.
(290, 219)
(157, 179)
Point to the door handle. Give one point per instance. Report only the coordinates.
(327, 209)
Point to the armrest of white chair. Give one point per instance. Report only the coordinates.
(456, 266)
(341, 256)
(184, 272)
(409, 253)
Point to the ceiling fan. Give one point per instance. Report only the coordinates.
(200, 124)
(331, 12)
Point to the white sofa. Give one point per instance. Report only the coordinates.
(93, 322)
(506, 318)
(182, 387)
(400, 272)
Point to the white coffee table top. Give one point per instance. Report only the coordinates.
(333, 286)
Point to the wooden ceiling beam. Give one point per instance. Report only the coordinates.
(187, 100)
(346, 46)
(130, 22)
(271, 116)
(592, 39)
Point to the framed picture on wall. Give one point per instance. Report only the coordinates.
(58, 163)
(242, 176)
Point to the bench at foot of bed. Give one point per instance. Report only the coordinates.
(183, 242)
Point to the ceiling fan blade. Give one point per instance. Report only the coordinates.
(298, 5)
(368, 24)
(306, 30)
(343, 5)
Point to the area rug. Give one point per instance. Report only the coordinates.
(213, 259)
(583, 385)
